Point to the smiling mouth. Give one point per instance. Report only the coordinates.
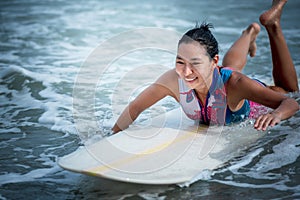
(190, 79)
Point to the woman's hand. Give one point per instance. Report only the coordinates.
(269, 119)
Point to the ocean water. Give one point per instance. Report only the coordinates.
(48, 46)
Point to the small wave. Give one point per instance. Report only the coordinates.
(205, 175)
(265, 165)
(28, 97)
(10, 130)
(283, 153)
(30, 176)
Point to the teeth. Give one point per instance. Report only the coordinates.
(190, 79)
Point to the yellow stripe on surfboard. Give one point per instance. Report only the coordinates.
(115, 164)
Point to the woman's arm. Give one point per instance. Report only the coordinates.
(165, 86)
(241, 87)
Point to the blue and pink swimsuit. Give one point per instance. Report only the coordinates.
(215, 110)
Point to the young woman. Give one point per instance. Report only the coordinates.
(222, 95)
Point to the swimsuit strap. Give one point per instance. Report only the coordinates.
(225, 73)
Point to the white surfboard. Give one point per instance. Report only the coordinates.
(172, 150)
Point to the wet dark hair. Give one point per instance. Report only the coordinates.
(203, 35)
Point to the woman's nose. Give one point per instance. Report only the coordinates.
(188, 70)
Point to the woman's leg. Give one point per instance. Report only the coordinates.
(236, 56)
(284, 72)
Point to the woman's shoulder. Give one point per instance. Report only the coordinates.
(171, 73)
(234, 76)
(169, 77)
(169, 81)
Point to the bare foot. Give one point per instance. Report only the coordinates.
(253, 29)
(272, 16)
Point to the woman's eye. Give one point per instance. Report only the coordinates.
(180, 62)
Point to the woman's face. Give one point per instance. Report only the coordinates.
(194, 65)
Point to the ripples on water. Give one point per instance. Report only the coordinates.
(43, 44)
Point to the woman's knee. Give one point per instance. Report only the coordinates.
(277, 89)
